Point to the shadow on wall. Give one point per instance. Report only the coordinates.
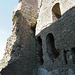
(39, 50)
(24, 46)
(59, 36)
(23, 51)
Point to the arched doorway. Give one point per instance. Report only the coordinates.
(52, 52)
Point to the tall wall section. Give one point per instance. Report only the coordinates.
(42, 40)
(56, 27)
(46, 11)
(20, 58)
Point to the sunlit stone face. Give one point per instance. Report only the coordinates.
(1, 53)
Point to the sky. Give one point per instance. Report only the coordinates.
(6, 12)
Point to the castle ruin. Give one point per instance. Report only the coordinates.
(42, 40)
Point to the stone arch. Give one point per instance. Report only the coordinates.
(50, 44)
(39, 50)
(56, 13)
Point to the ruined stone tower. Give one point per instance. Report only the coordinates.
(42, 40)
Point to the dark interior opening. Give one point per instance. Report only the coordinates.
(65, 57)
(52, 52)
(33, 29)
(73, 52)
(39, 50)
(56, 13)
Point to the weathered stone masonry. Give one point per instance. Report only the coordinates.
(42, 40)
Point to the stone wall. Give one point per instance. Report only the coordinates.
(45, 13)
(58, 53)
(20, 58)
(42, 40)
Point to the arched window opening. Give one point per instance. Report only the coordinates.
(56, 13)
(52, 52)
(39, 50)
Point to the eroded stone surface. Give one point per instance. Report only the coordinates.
(26, 53)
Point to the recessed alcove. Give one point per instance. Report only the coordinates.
(73, 54)
(50, 44)
(56, 12)
(40, 50)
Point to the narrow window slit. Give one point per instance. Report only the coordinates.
(65, 57)
(73, 54)
(40, 51)
(33, 29)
